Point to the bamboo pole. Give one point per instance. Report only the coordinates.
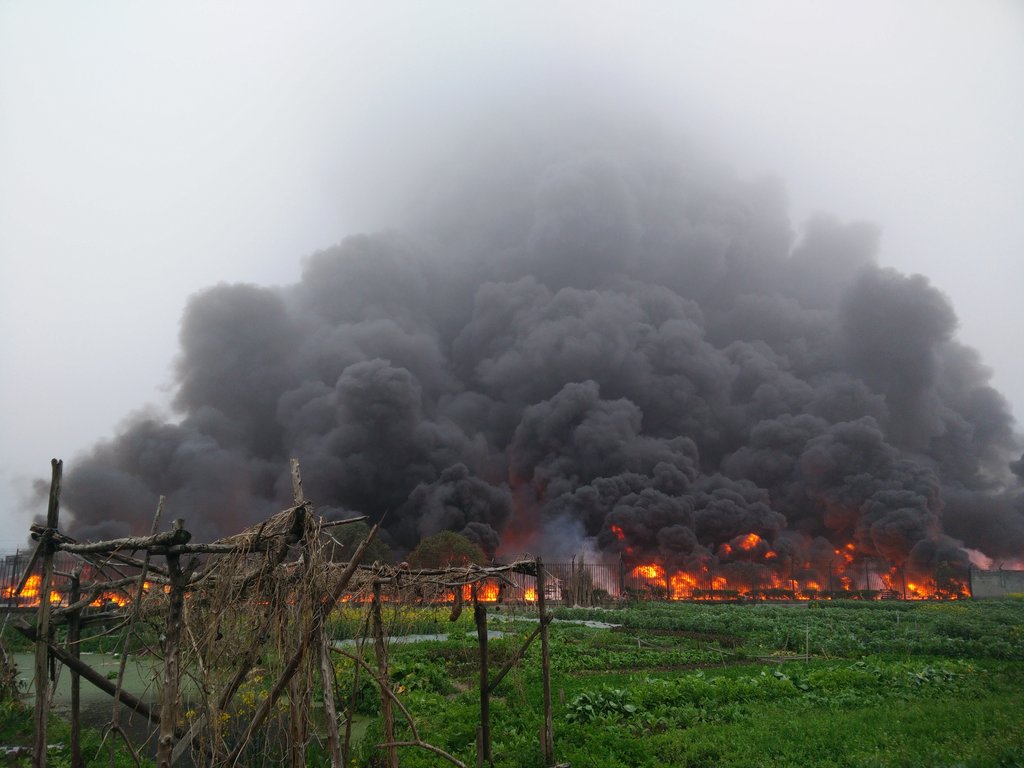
(46, 549)
(547, 744)
(380, 650)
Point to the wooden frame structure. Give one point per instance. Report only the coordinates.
(272, 584)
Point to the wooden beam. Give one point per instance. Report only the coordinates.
(91, 675)
(119, 557)
(46, 550)
(512, 662)
(177, 537)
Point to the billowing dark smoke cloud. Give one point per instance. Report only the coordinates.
(586, 335)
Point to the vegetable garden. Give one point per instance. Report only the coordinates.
(268, 653)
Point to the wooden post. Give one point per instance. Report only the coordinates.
(326, 668)
(46, 549)
(387, 713)
(74, 638)
(298, 686)
(297, 492)
(547, 742)
(350, 713)
(480, 619)
(172, 639)
(115, 718)
(330, 710)
(297, 695)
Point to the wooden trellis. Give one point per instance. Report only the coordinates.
(273, 585)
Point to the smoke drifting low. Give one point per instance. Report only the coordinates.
(590, 334)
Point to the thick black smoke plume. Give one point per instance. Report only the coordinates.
(585, 337)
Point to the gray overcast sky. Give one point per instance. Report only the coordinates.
(150, 150)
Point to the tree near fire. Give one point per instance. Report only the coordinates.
(445, 549)
(346, 538)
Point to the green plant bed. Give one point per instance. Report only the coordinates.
(883, 683)
(960, 629)
(936, 684)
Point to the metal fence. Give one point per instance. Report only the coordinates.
(12, 571)
(588, 583)
(594, 583)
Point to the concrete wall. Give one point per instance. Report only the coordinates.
(989, 584)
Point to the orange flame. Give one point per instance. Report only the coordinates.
(110, 597)
(649, 571)
(486, 592)
(29, 595)
(749, 542)
(799, 584)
